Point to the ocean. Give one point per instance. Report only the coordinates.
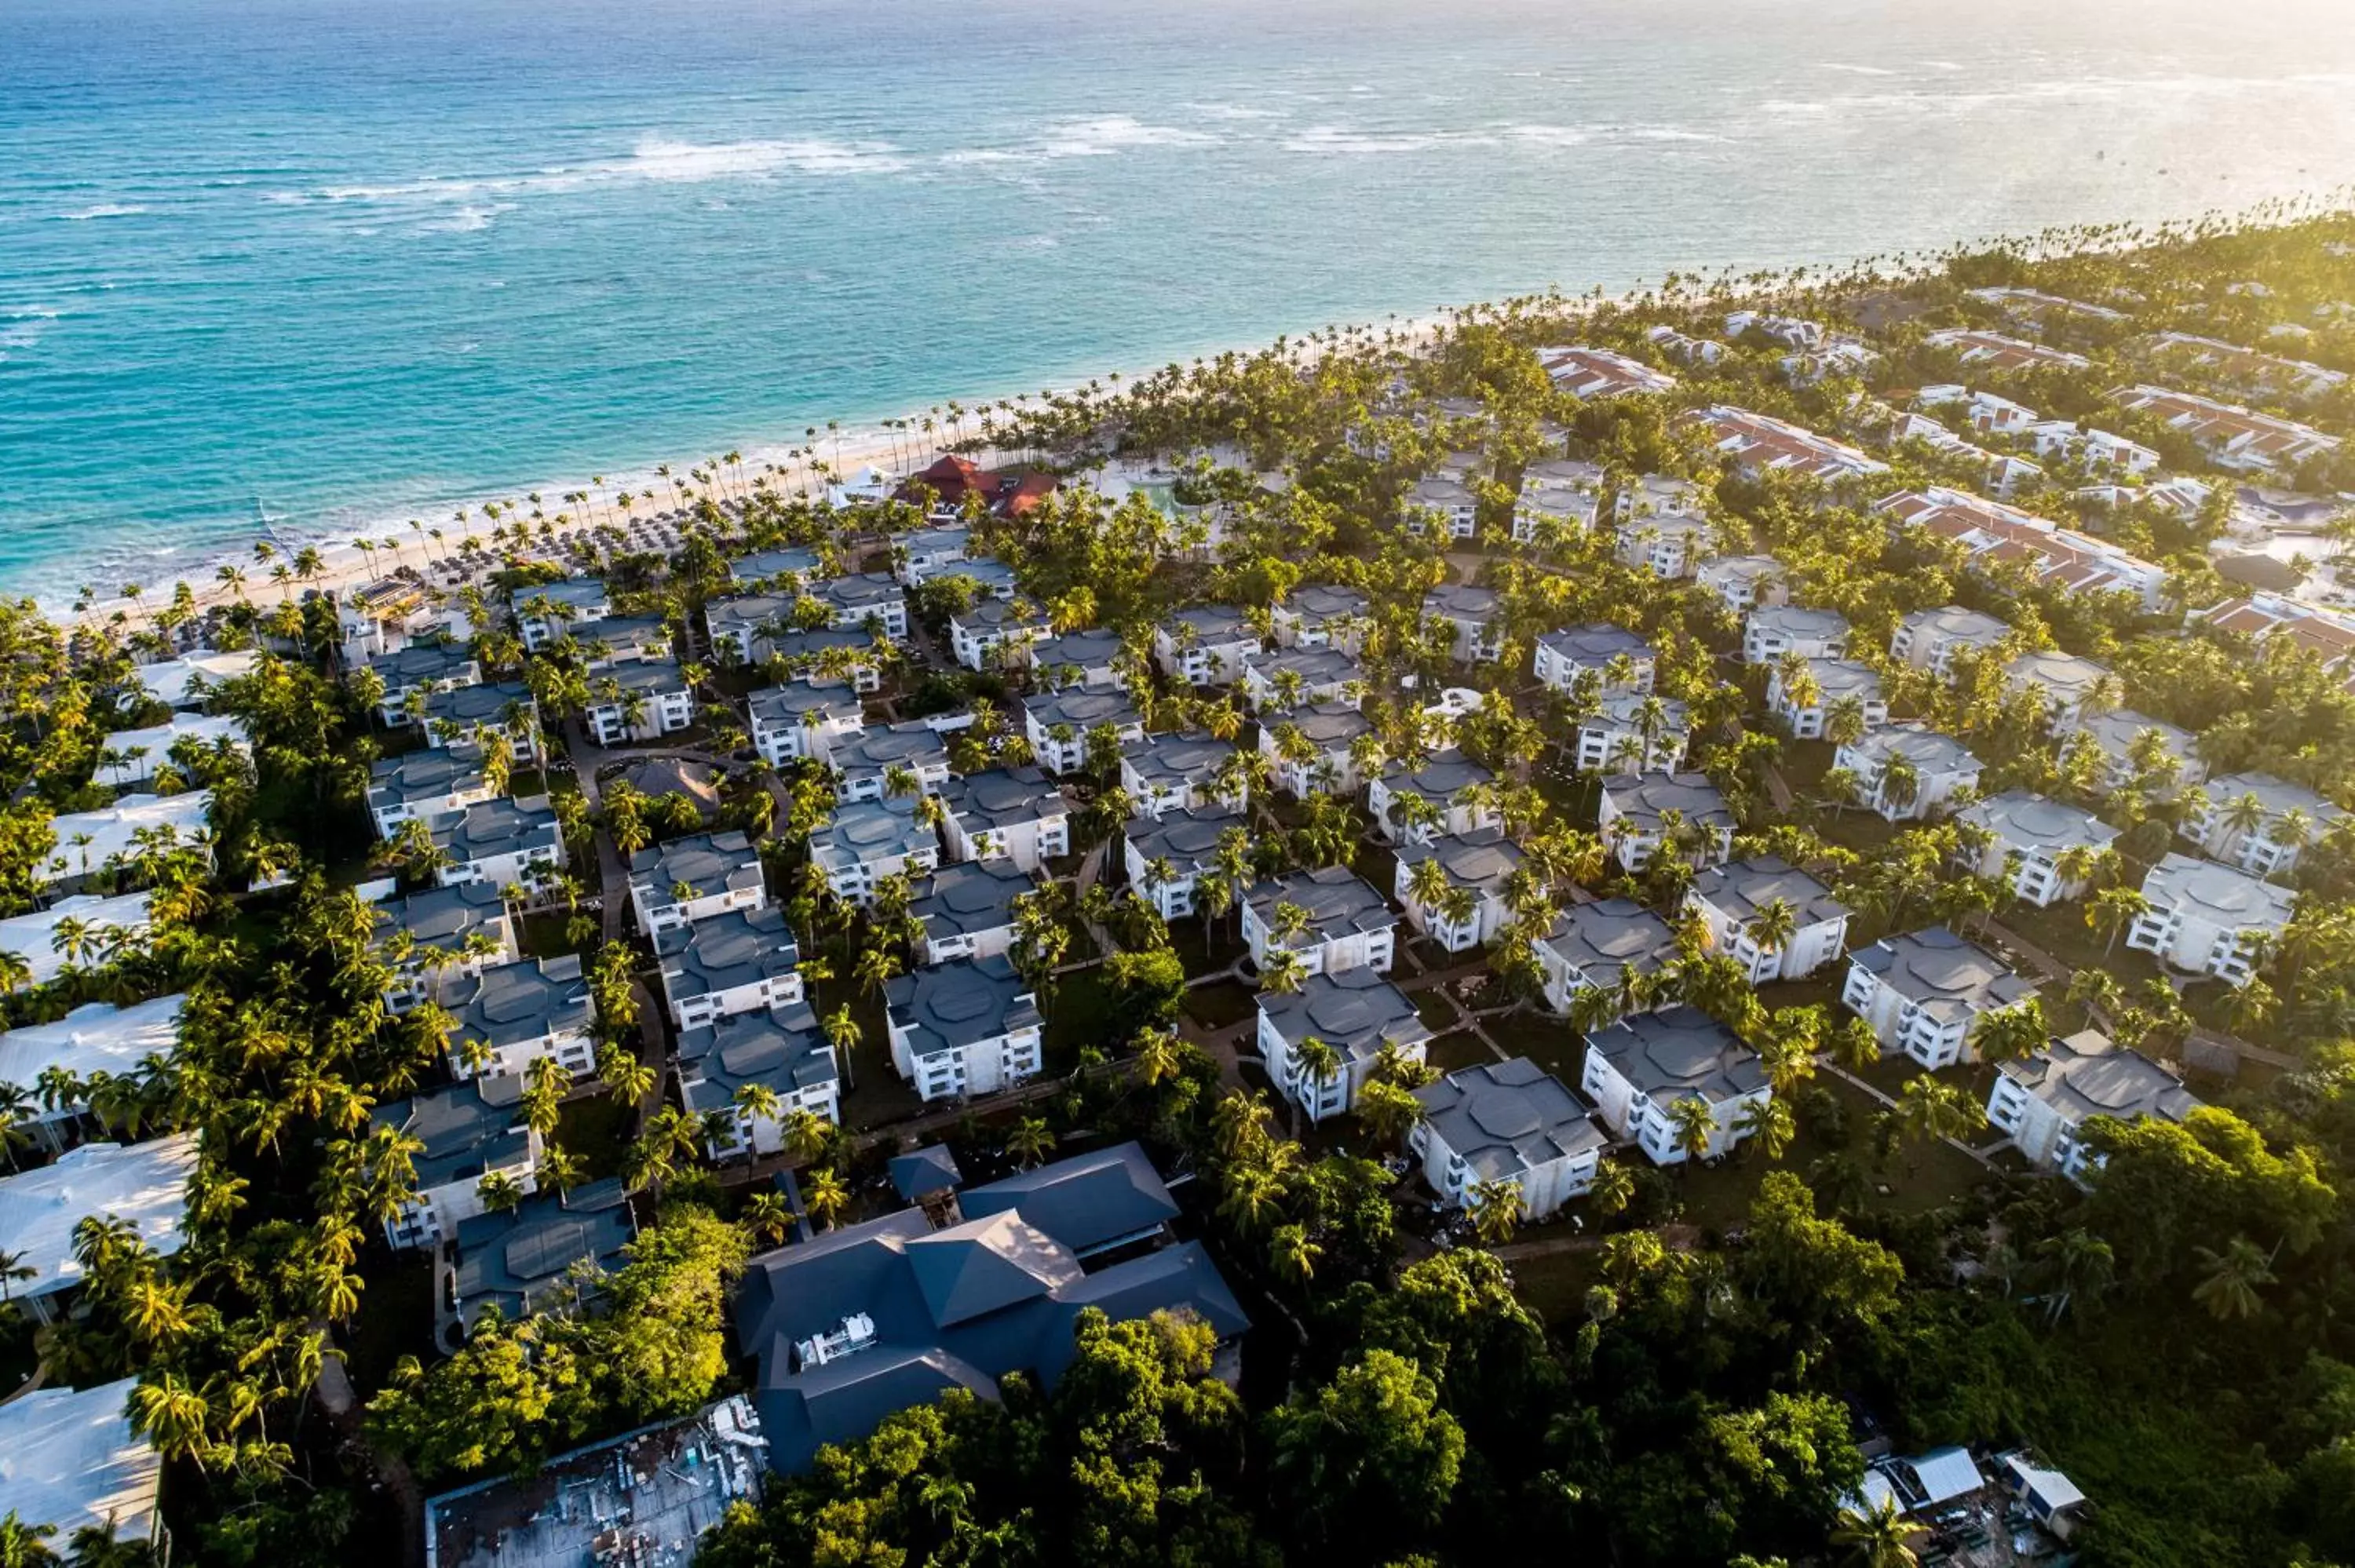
(348, 262)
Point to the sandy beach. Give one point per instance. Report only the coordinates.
(845, 454)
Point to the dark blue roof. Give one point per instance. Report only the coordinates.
(928, 1169)
(1086, 1202)
(962, 1306)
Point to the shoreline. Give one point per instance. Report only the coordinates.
(344, 565)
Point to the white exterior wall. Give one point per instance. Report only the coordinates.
(983, 1067)
(1025, 844)
(1810, 948)
(1359, 949)
(1902, 1026)
(1635, 1116)
(696, 1012)
(2186, 941)
(1544, 1188)
(436, 1211)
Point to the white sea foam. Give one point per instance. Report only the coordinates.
(1232, 111)
(1100, 136)
(1858, 69)
(468, 219)
(655, 159)
(103, 209)
(1341, 140)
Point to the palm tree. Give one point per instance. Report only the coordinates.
(1772, 925)
(1612, 1189)
(1496, 1211)
(1770, 1122)
(767, 1216)
(825, 1197)
(2230, 1280)
(1291, 1254)
(1030, 1142)
(1694, 1120)
(1317, 1062)
(1879, 1538)
(1284, 973)
(26, 1544)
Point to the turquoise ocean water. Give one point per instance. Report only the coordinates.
(360, 261)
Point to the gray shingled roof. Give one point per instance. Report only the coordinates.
(466, 1127)
(1479, 859)
(445, 917)
(1079, 650)
(1082, 708)
(1439, 781)
(2223, 894)
(429, 773)
(419, 662)
(1087, 1202)
(1005, 795)
(493, 826)
(735, 948)
(1643, 798)
(784, 1049)
(1610, 935)
(710, 862)
(989, 613)
(971, 895)
(2025, 820)
(2114, 731)
(793, 702)
(581, 593)
(1316, 602)
(1838, 678)
(470, 706)
(1930, 751)
(1596, 644)
(749, 611)
(1678, 1052)
(913, 745)
(1339, 903)
(1330, 726)
(2066, 674)
(1187, 757)
(1354, 1011)
(762, 565)
(1504, 1119)
(960, 1003)
(1461, 601)
(1952, 623)
(517, 1002)
(963, 1305)
(1188, 839)
(620, 632)
(1739, 889)
(521, 1261)
(871, 830)
(1947, 977)
(1213, 624)
(2084, 1075)
(1320, 665)
(858, 591)
(1798, 622)
(2277, 795)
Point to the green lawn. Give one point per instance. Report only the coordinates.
(1555, 1287)
(1457, 1048)
(1221, 1003)
(1548, 1041)
(873, 1092)
(1918, 1176)
(595, 1129)
(1434, 1009)
(544, 936)
(1080, 1013)
(395, 1319)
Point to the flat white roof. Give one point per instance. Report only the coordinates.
(33, 936)
(114, 831)
(96, 1037)
(68, 1458)
(145, 1183)
(171, 682)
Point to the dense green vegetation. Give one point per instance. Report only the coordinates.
(1684, 1386)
